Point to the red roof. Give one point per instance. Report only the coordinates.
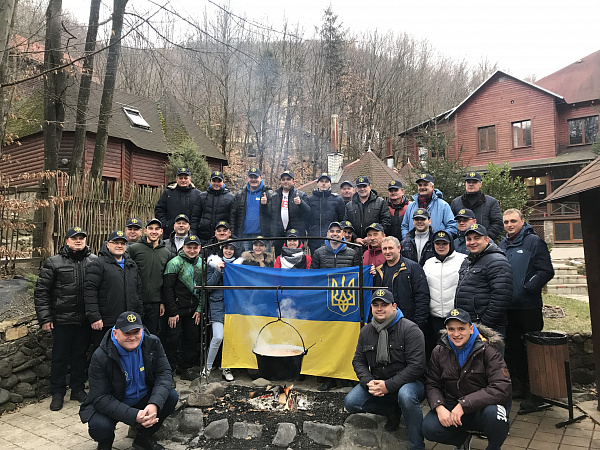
(578, 82)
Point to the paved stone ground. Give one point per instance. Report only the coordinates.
(36, 427)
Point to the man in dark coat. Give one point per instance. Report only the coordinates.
(406, 280)
(417, 244)
(212, 206)
(530, 260)
(181, 230)
(250, 215)
(397, 203)
(365, 208)
(347, 191)
(468, 385)
(222, 233)
(112, 285)
(333, 253)
(130, 382)
(325, 208)
(464, 219)
(289, 210)
(178, 198)
(485, 281)
(60, 308)
(389, 362)
(486, 208)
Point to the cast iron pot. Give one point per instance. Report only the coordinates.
(279, 361)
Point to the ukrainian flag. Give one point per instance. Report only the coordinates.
(331, 319)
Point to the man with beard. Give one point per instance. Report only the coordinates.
(486, 209)
(397, 202)
(366, 208)
(178, 198)
(429, 198)
(373, 255)
(417, 244)
(212, 206)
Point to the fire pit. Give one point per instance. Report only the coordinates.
(277, 398)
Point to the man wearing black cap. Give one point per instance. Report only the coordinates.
(178, 198)
(60, 308)
(373, 255)
(348, 230)
(112, 285)
(417, 244)
(389, 362)
(211, 207)
(397, 203)
(347, 191)
(486, 209)
(130, 382)
(293, 255)
(325, 207)
(468, 385)
(289, 209)
(464, 219)
(250, 215)
(431, 199)
(151, 257)
(365, 208)
(133, 231)
(485, 281)
(333, 253)
(181, 229)
(222, 233)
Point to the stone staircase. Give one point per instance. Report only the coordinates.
(567, 281)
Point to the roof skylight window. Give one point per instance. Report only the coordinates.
(136, 119)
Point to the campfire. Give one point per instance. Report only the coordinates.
(278, 398)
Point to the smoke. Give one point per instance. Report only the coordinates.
(287, 308)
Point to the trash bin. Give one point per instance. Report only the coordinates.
(547, 352)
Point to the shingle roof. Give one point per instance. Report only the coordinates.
(577, 82)
(584, 180)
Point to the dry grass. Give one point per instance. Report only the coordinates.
(577, 319)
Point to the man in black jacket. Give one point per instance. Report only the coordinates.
(212, 206)
(130, 382)
(60, 308)
(367, 208)
(178, 198)
(389, 362)
(325, 208)
(347, 191)
(181, 230)
(112, 285)
(133, 230)
(464, 219)
(333, 253)
(484, 281)
(397, 204)
(417, 244)
(485, 207)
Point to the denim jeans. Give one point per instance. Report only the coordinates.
(69, 347)
(408, 398)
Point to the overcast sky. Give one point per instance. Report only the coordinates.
(525, 37)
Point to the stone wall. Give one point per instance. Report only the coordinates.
(581, 351)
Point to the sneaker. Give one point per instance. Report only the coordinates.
(144, 442)
(328, 384)
(227, 375)
(190, 374)
(465, 445)
(78, 395)
(393, 421)
(57, 402)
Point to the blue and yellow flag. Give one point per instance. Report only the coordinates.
(331, 319)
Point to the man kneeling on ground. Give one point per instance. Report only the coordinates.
(130, 381)
(468, 385)
(389, 361)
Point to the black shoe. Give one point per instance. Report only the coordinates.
(465, 445)
(330, 383)
(393, 421)
(190, 374)
(105, 445)
(144, 442)
(78, 395)
(532, 404)
(57, 402)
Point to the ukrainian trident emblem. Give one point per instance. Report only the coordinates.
(342, 302)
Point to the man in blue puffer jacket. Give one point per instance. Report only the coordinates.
(532, 268)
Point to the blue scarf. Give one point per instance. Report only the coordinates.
(133, 369)
(464, 352)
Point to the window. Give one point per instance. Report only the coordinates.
(583, 131)
(521, 132)
(487, 138)
(136, 119)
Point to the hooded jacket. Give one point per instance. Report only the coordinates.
(530, 260)
(485, 286)
(397, 215)
(483, 380)
(442, 218)
(181, 274)
(108, 384)
(361, 215)
(487, 212)
(59, 290)
(210, 208)
(298, 214)
(237, 215)
(151, 262)
(373, 256)
(110, 290)
(408, 247)
(175, 200)
(325, 207)
(326, 258)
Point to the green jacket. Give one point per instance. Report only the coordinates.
(151, 262)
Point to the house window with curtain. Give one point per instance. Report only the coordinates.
(487, 138)
(583, 130)
(521, 134)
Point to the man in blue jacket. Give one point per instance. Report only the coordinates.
(130, 381)
(429, 198)
(532, 268)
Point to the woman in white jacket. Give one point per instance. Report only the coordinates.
(442, 277)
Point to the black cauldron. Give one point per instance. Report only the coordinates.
(279, 361)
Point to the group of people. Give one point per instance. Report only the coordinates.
(437, 265)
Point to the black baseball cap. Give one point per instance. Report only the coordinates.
(127, 321)
(334, 224)
(191, 239)
(465, 212)
(133, 222)
(441, 236)
(324, 175)
(288, 172)
(117, 234)
(222, 223)
(362, 181)
(458, 314)
(184, 171)
(421, 212)
(260, 240)
(349, 183)
(476, 228)
(254, 172)
(473, 176)
(292, 233)
(182, 217)
(346, 224)
(374, 226)
(383, 294)
(395, 184)
(154, 220)
(74, 231)
(217, 174)
(425, 177)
